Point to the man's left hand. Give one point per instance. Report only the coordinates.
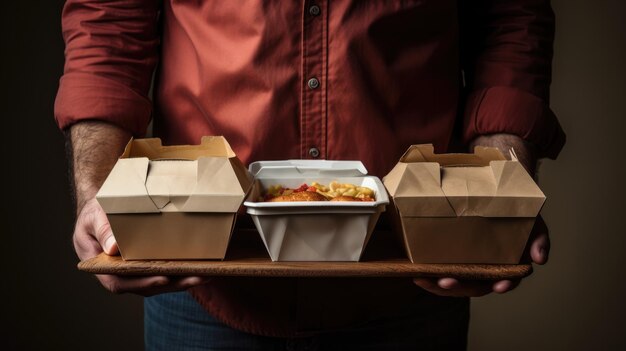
(537, 250)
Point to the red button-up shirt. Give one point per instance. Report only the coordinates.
(311, 79)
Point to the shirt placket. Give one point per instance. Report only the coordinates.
(314, 85)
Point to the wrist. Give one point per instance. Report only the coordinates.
(93, 148)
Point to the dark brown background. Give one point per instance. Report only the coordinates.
(573, 303)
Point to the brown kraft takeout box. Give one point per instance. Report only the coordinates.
(174, 202)
(463, 208)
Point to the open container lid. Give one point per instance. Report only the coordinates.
(317, 170)
(307, 168)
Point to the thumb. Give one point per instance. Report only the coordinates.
(103, 233)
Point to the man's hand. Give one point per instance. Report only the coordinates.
(94, 148)
(537, 250)
(93, 235)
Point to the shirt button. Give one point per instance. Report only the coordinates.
(314, 10)
(313, 83)
(314, 152)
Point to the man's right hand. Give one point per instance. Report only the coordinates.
(93, 235)
(93, 149)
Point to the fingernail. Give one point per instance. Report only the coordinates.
(502, 286)
(446, 283)
(108, 244)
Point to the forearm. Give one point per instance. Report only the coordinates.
(506, 56)
(93, 149)
(525, 151)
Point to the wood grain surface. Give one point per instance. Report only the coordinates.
(384, 256)
(263, 267)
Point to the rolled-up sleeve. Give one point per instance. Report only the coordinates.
(507, 58)
(110, 55)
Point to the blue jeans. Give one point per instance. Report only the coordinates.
(177, 322)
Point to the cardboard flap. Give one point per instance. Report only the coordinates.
(307, 168)
(243, 176)
(482, 184)
(517, 194)
(124, 190)
(416, 190)
(216, 146)
(150, 177)
(468, 189)
(502, 189)
(170, 182)
(426, 153)
(217, 188)
(153, 149)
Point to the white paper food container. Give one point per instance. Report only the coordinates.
(316, 230)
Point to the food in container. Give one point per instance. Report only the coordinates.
(318, 230)
(335, 191)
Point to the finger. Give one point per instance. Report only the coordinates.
(471, 288)
(119, 284)
(503, 286)
(92, 233)
(477, 288)
(448, 283)
(147, 286)
(189, 282)
(430, 285)
(175, 284)
(540, 249)
(453, 287)
(85, 245)
(540, 246)
(426, 283)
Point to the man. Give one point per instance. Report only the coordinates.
(304, 79)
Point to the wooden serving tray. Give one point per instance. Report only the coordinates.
(263, 267)
(247, 257)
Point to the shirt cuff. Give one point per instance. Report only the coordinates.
(513, 111)
(83, 96)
